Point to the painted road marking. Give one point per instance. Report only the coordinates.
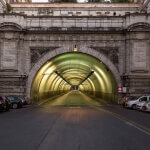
(128, 122)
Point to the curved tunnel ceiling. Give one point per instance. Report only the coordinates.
(73, 71)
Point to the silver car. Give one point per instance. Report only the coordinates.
(145, 99)
(146, 107)
(133, 103)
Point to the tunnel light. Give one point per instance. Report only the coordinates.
(50, 70)
(75, 48)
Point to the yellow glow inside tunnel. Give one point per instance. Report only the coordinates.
(74, 71)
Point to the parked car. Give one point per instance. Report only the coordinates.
(16, 102)
(24, 101)
(146, 107)
(133, 102)
(4, 103)
(140, 104)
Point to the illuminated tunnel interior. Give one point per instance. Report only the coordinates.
(71, 72)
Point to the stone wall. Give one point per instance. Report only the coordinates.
(2, 6)
(123, 41)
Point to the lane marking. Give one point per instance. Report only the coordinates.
(128, 122)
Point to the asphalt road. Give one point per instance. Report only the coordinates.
(69, 128)
(74, 98)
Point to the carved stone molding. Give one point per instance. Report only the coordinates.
(38, 52)
(139, 26)
(9, 26)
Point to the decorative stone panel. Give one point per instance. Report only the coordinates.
(110, 52)
(38, 52)
(139, 57)
(9, 59)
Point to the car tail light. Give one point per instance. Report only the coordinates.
(3, 100)
(19, 100)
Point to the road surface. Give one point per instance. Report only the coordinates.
(70, 128)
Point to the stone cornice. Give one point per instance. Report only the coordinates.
(75, 5)
(75, 30)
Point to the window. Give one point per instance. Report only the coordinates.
(143, 98)
(99, 13)
(107, 12)
(78, 12)
(11, 98)
(114, 14)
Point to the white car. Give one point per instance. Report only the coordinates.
(146, 107)
(139, 106)
(133, 103)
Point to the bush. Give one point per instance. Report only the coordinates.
(8, 6)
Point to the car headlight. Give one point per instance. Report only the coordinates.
(147, 105)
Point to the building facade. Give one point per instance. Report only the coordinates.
(116, 34)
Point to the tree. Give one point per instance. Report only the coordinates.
(8, 6)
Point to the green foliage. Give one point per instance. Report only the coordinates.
(8, 6)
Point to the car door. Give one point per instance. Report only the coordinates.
(0, 100)
(148, 98)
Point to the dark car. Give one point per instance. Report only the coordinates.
(16, 102)
(24, 101)
(4, 103)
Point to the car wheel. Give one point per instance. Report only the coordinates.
(20, 105)
(134, 106)
(7, 108)
(15, 106)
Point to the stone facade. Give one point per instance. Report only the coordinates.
(146, 6)
(83, 9)
(2, 6)
(121, 42)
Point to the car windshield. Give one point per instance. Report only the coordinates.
(12, 98)
(21, 97)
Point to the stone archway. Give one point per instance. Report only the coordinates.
(59, 51)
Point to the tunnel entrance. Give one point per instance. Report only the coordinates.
(75, 73)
